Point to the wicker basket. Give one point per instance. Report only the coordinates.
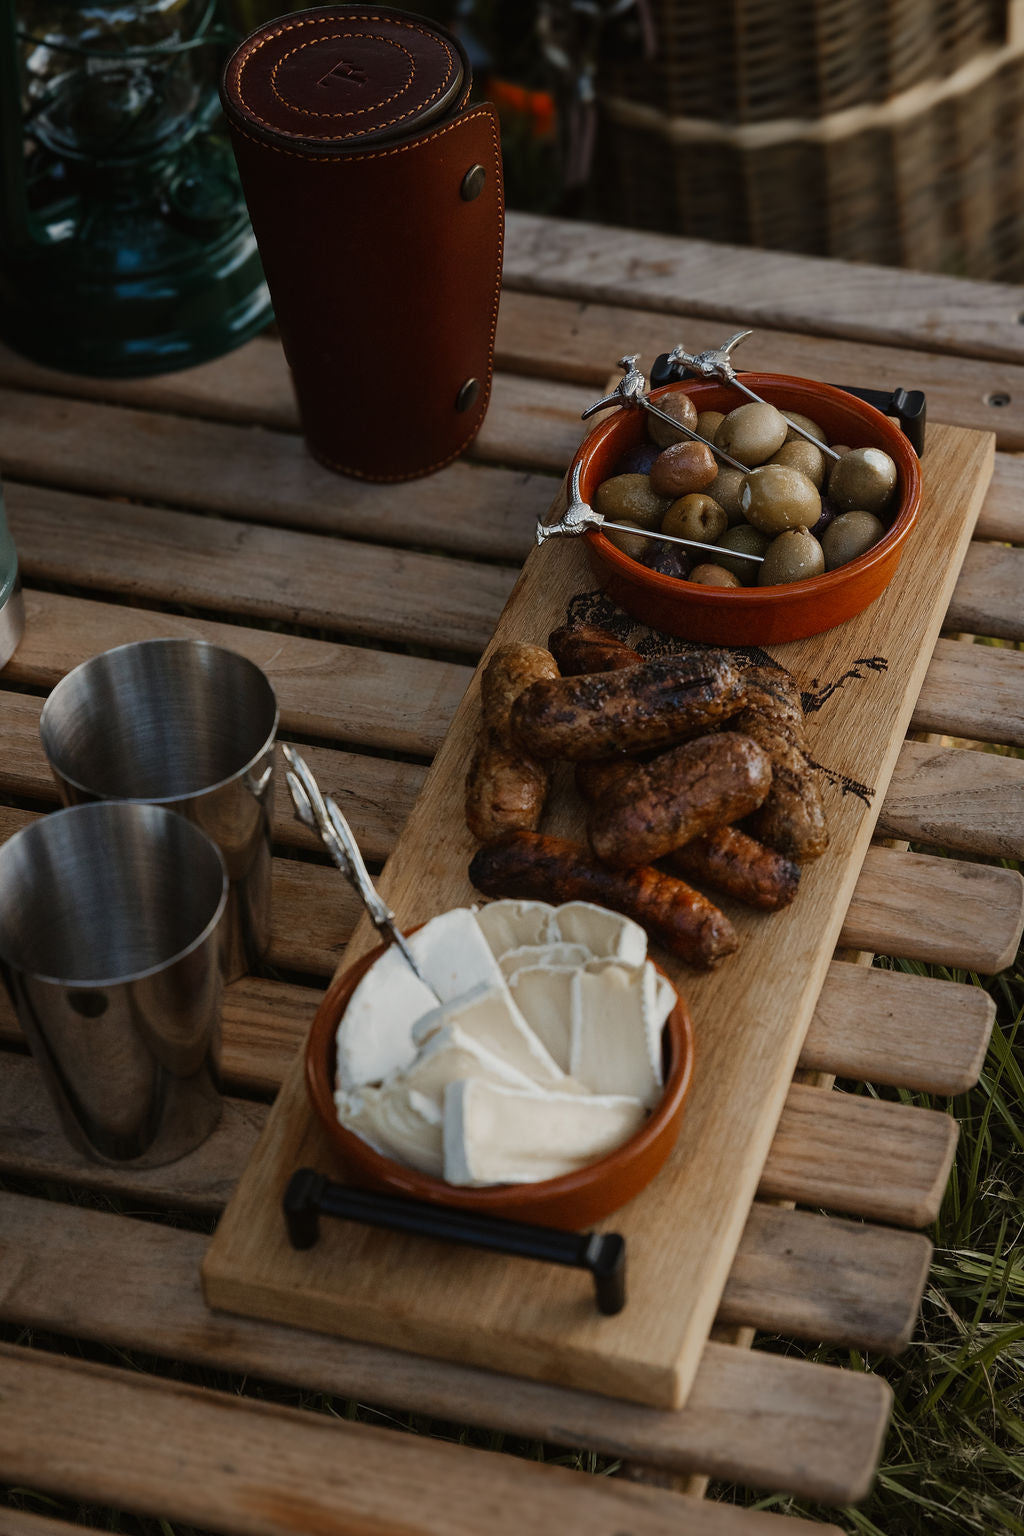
(875, 130)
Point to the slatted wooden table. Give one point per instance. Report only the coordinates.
(186, 505)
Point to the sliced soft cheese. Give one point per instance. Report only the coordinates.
(392, 1123)
(543, 995)
(453, 954)
(496, 1135)
(507, 924)
(543, 954)
(451, 1054)
(604, 933)
(375, 1033)
(611, 1048)
(488, 1015)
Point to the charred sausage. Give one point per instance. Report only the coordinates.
(653, 704)
(525, 864)
(792, 818)
(584, 648)
(505, 787)
(679, 795)
(731, 862)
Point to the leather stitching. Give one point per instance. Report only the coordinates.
(382, 154)
(356, 111)
(292, 26)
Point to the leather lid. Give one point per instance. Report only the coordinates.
(344, 75)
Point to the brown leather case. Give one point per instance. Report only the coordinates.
(376, 198)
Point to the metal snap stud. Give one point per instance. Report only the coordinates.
(472, 183)
(467, 394)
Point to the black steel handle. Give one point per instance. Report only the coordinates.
(907, 405)
(311, 1195)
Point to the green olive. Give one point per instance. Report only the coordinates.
(629, 499)
(793, 556)
(726, 488)
(848, 536)
(798, 453)
(776, 497)
(695, 517)
(752, 432)
(712, 576)
(683, 468)
(631, 544)
(681, 408)
(751, 541)
(708, 423)
(808, 426)
(863, 479)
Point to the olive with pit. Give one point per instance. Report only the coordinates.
(793, 556)
(681, 408)
(775, 497)
(808, 425)
(849, 535)
(863, 480)
(798, 453)
(752, 432)
(630, 499)
(726, 488)
(632, 544)
(712, 576)
(682, 469)
(708, 423)
(695, 517)
(748, 541)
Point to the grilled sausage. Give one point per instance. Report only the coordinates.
(654, 704)
(525, 864)
(505, 787)
(792, 818)
(733, 863)
(679, 795)
(585, 648)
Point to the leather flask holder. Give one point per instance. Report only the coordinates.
(375, 194)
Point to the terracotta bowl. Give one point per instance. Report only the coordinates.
(754, 615)
(574, 1201)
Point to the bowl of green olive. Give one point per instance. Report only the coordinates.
(828, 529)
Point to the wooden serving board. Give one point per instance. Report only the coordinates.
(750, 1018)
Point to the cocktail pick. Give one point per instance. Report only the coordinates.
(631, 391)
(715, 363)
(579, 516)
(320, 813)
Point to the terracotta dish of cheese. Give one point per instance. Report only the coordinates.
(547, 1086)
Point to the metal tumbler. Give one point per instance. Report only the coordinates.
(188, 725)
(109, 946)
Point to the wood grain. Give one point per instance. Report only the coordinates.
(809, 1429)
(218, 1460)
(974, 691)
(971, 802)
(988, 596)
(684, 1229)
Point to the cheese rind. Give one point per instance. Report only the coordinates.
(496, 1135)
(606, 934)
(610, 1045)
(507, 924)
(453, 954)
(543, 995)
(451, 1054)
(392, 1124)
(543, 954)
(488, 1015)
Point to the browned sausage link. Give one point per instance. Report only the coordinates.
(602, 714)
(525, 864)
(599, 778)
(731, 862)
(680, 795)
(509, 671)
(792, 818)
(505, 790)
(585, 648)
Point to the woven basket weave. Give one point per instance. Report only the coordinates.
(888, 131)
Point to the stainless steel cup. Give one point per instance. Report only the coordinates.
(109, 946)
(188, 725)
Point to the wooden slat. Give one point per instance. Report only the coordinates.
(19, 1522)
(974, 691)
(348, 693)
(855, 1155)
(989, 596)
(234, 1465)
(971, 802)
(763, 1419)
(741, 286)
(1002, 513)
